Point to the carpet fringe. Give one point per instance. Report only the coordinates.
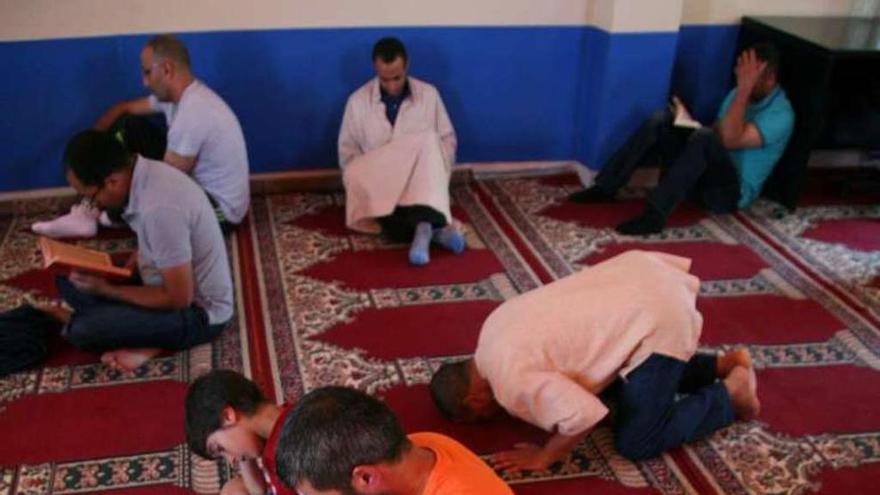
(853, 344)
(200, 360)
(625, 471)
(782, 285)
(502, 284)
(205, 475)
(717, 231)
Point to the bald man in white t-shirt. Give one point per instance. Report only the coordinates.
(204, 138)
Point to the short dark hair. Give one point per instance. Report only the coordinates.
(332, 430)
(449, 387)
(93, 155)
(388, 49)
(206, 398)
(768, 53)
(168, 47)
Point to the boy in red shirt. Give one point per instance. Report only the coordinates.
(227, 416)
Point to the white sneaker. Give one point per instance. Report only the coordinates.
(82, 221)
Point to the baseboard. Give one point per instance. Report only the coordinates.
(324, 180)
(314, 180)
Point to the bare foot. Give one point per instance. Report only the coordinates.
(730, 360)
(128, 359)
(742, 386)
(56, 312)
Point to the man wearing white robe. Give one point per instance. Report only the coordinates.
(396, 150)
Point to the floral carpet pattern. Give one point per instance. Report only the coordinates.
(319, 305)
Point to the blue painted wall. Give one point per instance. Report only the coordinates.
(704, 67)
(631, 82)
(513, 93)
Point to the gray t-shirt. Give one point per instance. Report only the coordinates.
(202, 125)
(175, 224)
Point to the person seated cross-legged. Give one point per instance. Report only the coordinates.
(186, 295)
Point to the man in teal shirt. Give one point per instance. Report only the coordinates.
(723, 166)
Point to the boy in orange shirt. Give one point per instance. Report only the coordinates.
(227, 416)
(337, 440)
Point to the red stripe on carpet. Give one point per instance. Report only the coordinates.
(515, 237)
(91, 423)
(258, 351)
(692, 474)
(828, 286)
(711, 260)
(412, 331)
(802, 320)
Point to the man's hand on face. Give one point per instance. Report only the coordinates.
(748, 70)
(524, 456)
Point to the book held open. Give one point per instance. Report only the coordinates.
(62, 255)
(683, 117)
(686, 121)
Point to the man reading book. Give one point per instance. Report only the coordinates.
(186, 295)
(723, 167)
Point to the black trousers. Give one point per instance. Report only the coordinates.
(400, 225)
(695, 165)
(146, 135)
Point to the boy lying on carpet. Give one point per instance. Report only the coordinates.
(340, 441)
(186, 295)
(227, 416)
(626, 328)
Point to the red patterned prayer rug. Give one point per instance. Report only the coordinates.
(75, 426)
(320, 305)
(799, 290)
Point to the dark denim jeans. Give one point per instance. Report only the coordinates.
(99, 324)
(651, 417)
(695, 165)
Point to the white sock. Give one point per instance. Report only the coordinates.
(82, 221)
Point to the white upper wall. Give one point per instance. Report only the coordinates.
(731, 11)
(636, 15)
(49, 19)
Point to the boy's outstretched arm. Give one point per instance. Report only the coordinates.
(534, 457)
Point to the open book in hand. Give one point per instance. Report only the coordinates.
(686, 121)
(65, 257)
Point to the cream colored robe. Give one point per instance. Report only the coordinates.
(548, 353)
(384, 166)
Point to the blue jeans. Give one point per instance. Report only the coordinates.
(99, 324)
(696, 166)
(652, 419)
